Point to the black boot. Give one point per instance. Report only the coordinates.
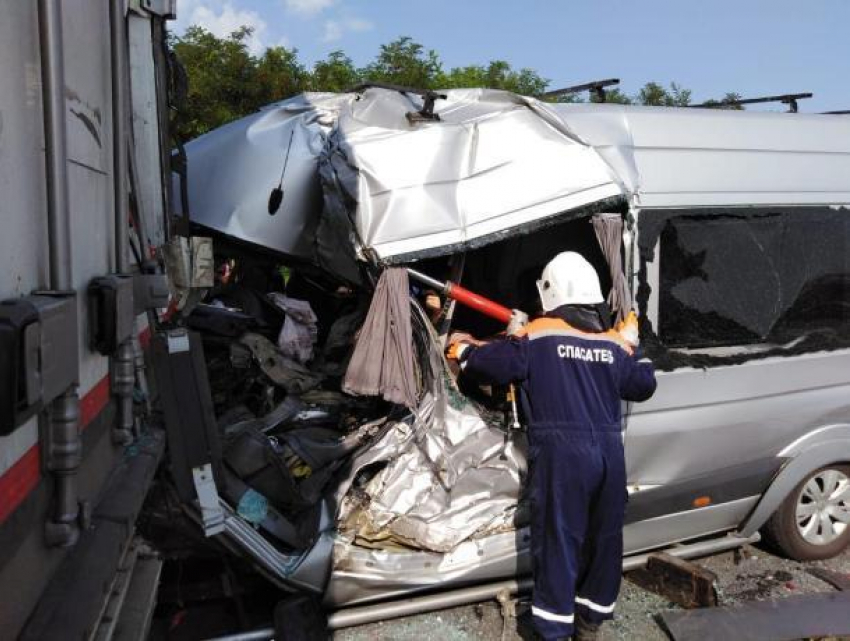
(587, 631)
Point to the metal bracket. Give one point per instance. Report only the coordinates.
(211, 512)
(111, 312)
(426, 114)
(164, 8)
(190, 267)
(38, 340)
(150, 291)
(596, 89)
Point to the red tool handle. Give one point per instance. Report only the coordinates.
(465, 297)
(478, 303)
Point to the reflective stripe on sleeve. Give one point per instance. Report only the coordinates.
(549, 616)
(604, 609)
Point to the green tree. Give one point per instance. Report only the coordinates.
(278, 75)
(336, 73)
(227, 82)
(615, 96)
(726, 102)
(655, 95)
(407, 63)
(498, 74)
(651, 94)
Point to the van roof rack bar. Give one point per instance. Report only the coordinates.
(596, 88)
(789, 99)
(363, 86)
(836, 113)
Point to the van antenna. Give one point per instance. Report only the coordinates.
(276, 195)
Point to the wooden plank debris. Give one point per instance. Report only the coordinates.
(838, 580)
(682, 582)
(796, 617)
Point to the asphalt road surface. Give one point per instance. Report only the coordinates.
(750, 574)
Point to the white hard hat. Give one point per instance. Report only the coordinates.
(569, 279)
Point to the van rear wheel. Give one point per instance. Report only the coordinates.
(814, 521)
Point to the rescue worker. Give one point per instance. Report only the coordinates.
(573, 370)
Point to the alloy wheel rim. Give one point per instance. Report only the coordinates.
(823, 507)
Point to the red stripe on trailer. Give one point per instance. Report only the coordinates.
(18, 481)
(22, 478)
(170, 310)
(145, 337)
(93, 403)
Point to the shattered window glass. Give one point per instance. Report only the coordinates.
(769, 278)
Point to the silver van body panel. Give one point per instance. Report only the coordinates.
(674, 157)
(793, 410)
(680, 526)
(827, 452)
(700, 420)
(463, 170)
(361, 575)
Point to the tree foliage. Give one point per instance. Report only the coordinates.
(336, 73)
(726, 102)
(405, 62)
(227, 81)
(497, 75)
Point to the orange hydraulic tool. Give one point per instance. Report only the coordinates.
(464, 297)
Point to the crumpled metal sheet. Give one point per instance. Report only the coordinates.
(232, 170)
(361, 575)
(446, 477)
(494, 161)
(361, 177)
(190, 266)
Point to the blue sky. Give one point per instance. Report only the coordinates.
(753, 47)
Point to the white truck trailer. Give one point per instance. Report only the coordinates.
(83, 150)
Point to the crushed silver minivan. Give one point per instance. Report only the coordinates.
(735, 249)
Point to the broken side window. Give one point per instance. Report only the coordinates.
(728, 278)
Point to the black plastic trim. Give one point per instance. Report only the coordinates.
(722, 486)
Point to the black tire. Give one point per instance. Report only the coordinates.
(782, 533)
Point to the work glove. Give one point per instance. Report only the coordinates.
(456, 350)
(628, 329)
(459, 345)
(518, 321)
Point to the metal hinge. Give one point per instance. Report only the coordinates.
(211, 512)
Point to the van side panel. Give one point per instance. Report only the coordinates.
(700, 420)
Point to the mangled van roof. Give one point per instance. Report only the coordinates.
(494, 161)
(361, 177)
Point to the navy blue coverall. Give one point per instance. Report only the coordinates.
(571, 385)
